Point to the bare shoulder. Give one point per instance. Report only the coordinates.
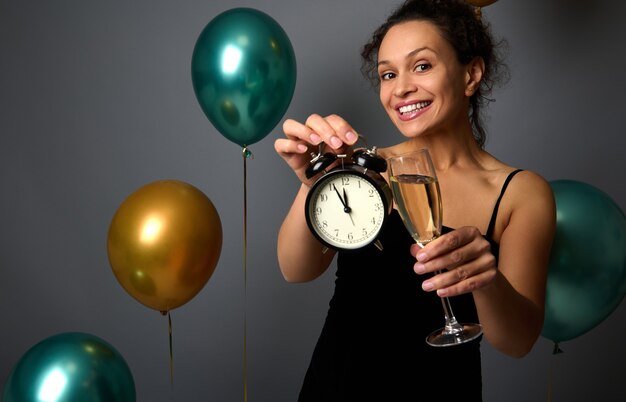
(529, 186)
(527, 206)
(531, 201)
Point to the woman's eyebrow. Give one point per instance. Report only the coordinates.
(410, 54)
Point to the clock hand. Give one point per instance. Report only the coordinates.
(346, 208)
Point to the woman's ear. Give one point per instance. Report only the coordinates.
(474, 73)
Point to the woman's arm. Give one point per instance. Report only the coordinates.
(300, 255)
(512, 306)
(509, 297)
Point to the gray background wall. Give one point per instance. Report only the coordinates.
(96, 101)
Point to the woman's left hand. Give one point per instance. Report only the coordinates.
(464, 258)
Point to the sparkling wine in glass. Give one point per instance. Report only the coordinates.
(418, 200)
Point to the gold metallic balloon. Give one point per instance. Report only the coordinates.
(480, 3)
(164, 242)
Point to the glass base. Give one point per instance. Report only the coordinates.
(442, 338)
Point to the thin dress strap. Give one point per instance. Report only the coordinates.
(494, 214)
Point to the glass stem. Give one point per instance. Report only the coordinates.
(452, 326)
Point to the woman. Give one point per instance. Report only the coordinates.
(434, 61)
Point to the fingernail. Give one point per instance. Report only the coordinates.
(422, 257)
(420, 268)
(442, 292)
(315, 139)
(350, 136)
(302, 148)
(335, 142)
(427, 286)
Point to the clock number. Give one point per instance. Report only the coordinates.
(345, 181)
(350, 236)
(324, 224)
(336, 232)
(323, 197)
(318, 210)
(371, 192)
(365, 230)
(373, 221)
(378, 206)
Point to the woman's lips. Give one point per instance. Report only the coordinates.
(408, 111)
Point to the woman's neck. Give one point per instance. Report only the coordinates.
(447, 150)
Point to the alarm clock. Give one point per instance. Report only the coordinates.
(348, 204)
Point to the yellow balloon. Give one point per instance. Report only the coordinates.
(164, 242)
(480, 3)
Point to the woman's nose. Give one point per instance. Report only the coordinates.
(404, 86)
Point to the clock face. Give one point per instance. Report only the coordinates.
(345, 210)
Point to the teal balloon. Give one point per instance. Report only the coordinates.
(587, 269)
(243, 72)
(70, 367)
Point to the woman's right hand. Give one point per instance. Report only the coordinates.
(301, 139)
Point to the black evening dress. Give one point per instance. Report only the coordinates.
(372, 345)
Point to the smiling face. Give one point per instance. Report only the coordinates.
(423, 87)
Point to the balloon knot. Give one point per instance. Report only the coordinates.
(557, 350)
(247, 154)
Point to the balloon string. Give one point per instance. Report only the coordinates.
(550, 375)
(557, 350)
(246, 154)
(169, 321)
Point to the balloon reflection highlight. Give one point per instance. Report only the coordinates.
(151, 229)
(53, 385)
(231, 59)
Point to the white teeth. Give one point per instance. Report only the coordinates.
(413, 107)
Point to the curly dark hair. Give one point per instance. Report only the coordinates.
(468, 34)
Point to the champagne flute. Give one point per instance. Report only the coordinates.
(416, 193)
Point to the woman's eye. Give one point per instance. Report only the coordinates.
(386, 76)
(422, 67)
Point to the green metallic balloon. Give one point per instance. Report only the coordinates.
(243, 71)
(587, 271)
(70, 367)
